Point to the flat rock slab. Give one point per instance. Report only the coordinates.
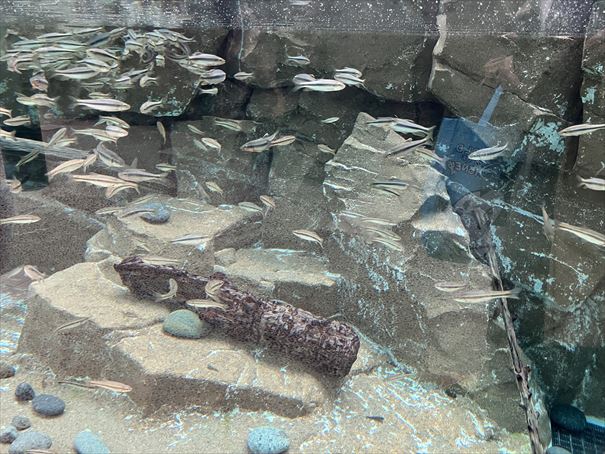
(298, 277)
(225, 226)
(122, 340)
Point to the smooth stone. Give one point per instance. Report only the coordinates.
(557, 450)
(6, 370)
(87, 442)
(29, 440)
(21, 422)
(48, 405)
(24, 391)
(160, 215)
(184, 323)
(8, 434)
(267, 440)
(568, 417)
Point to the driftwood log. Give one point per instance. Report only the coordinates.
(328, 346)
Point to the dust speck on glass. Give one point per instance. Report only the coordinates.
(308, 226)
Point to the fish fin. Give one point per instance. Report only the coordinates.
(430, 133)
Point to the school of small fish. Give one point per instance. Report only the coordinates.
(94, 57)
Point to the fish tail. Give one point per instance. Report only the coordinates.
(514, 293)
(431, 133)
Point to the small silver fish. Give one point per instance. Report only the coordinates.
(104, 105)
(66, 167)
(268, 201)
(283, 141)
(326, 149)
(349, 79)
(389, 243)
(157, 260)
(297, 60)
(209, 91)
(482, 296)
(112, 121)
(348, 71)
(308, 235)
(206, 304)
(171, 293)
(20, 219)
(165, 167)
(243, 76)
(227, 123)
(593, 183)
(6, 112)
(72, 324)
(250, 206)
(330, 120)
(448, 286)
(195, 130)
(586, 234)
(259, 145)
(212, 289)
(321, 85)
(407, 146)
(21, 120)
(161, 130)
(211, 143)
(33, 273)
(192, 239)
(149, 106)
(487, 154)
(213, 187)
(581, 129)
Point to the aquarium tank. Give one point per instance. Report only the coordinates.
(302, 226)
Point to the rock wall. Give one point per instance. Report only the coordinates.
(547, 58)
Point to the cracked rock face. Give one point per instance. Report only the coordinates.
(396, 66)
(390, 294)
(590, 151)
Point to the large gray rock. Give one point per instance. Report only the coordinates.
(396, 66)
(123, 341)
(591, 158)
(300, 278)
(482, 48)
(390, 294)
(43, 244)
(225, 226)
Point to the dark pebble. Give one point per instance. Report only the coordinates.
(48, 405)
(21, 422)
(8, 434)
(6, 370)
(568, 417)
(29, 440)
(24, 391)
(160, 215)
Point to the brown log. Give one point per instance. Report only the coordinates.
(329, 346)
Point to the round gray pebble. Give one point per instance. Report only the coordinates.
(8, 434)
(6, 370)
(48, 405)
(24, 391)
(160, 214)
(267, 440)
(21, 422)
(87, 442)
(29, 440)
(184, 323)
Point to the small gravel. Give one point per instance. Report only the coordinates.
(24, 391)
(6, 370)
(8, 434)
(21, 422)
(29, 440)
